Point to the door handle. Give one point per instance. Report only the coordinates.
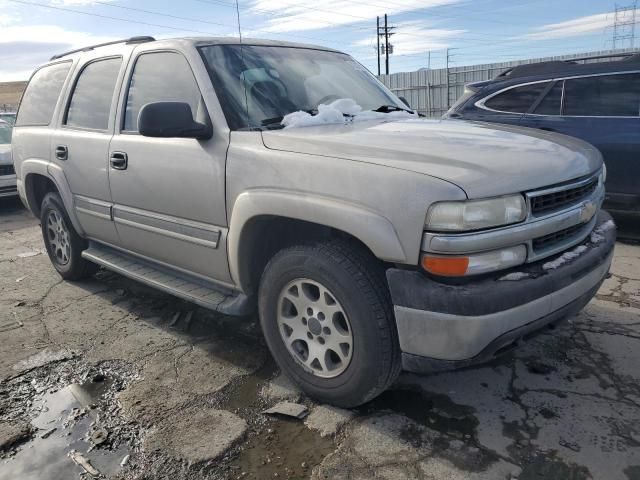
(547, 129)
(119, 161)
(62, 152)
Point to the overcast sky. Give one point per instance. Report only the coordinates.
(480, 31)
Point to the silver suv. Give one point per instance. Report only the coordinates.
(286, 179)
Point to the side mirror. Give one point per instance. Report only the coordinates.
(171, 120)
(404, 100)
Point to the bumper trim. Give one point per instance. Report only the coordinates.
(502, 344)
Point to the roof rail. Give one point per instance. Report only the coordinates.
(89, 48)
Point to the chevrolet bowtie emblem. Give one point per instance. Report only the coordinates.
(588, 211)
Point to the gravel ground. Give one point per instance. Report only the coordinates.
(108, 378)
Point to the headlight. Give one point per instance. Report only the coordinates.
(476, 214)
(474, 264)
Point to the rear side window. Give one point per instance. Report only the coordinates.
(552, 101)
(603, 96)
(160, 77)
(518, 99)
(90, 104)
(41, 96)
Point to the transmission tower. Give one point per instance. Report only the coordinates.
(624, 26)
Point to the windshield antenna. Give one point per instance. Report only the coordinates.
(239, 27)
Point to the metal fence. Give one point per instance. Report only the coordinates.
(432, 92)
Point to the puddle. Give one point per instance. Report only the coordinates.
(283, 449)
(64, 423)
(435, 411)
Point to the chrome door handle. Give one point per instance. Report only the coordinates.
(119, 161)
(62, 152)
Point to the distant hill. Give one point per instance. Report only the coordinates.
(10, 93)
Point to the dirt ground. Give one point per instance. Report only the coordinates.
(10, 93)
(107, 378)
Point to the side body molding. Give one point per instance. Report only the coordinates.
(56, 175)
(372, 229)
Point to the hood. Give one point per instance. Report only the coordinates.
(5, 154)
(483, 159)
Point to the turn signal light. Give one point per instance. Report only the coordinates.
(446, 266)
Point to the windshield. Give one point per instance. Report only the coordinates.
(5, 134)
(10, 118)
(258, 85)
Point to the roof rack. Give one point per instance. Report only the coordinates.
(552, 66)
(89, 48)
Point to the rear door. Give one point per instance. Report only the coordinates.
(603, 110)
(169, 193)
(81, 145)
(511, 104)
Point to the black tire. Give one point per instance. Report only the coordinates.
(357, 281)
(76, 267)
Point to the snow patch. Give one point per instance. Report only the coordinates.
(514, 277)
(342, 111)
(596, 235)
(565, 257)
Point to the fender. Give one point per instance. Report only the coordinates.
(56, 175)
(372, 229)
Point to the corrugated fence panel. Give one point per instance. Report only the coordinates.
(432, 92)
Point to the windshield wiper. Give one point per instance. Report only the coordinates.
(391, 108)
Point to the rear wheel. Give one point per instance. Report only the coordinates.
(62, 242)
(326, 315)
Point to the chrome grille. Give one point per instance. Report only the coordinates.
(7, 170)
(558, 199)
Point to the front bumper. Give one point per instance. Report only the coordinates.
(8, 186)
(445, 326)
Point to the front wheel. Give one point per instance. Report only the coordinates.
(326, 315)
(63, 243)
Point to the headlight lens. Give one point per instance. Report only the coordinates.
(474, 264)
(476, 214)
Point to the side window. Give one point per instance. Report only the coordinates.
(41, 96)
(603, 96)
(160, 77)
(90, 104)
(552, 101)
(518, 99)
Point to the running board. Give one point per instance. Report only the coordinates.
(200, 292)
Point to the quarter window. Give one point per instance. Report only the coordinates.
(90, 104)
(160, 77)
(41, 96)
(603, 96)
(552, 101)
(518, 99)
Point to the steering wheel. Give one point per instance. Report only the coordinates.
(327, 98)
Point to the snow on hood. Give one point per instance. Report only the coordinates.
(344, 110)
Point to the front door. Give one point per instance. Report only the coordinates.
(81, 145)
(168, 193)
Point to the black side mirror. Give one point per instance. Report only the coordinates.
(404, 100)
(171, 120)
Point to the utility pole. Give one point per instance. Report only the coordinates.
(386, 44)
(387, 48)
(378, 37)
(624, 26)
(448, 83)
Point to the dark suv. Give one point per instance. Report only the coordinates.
(596, 102)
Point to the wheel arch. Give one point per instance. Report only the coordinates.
(264, 222)
(41, 177)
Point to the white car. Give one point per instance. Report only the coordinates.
(7, 173)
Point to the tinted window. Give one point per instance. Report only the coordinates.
(41, 96)
(518, 99)
(552, 101)
(611, 95)
(5, 133)
(160, 77)
(91, 100)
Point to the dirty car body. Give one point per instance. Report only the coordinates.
(367, 244)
